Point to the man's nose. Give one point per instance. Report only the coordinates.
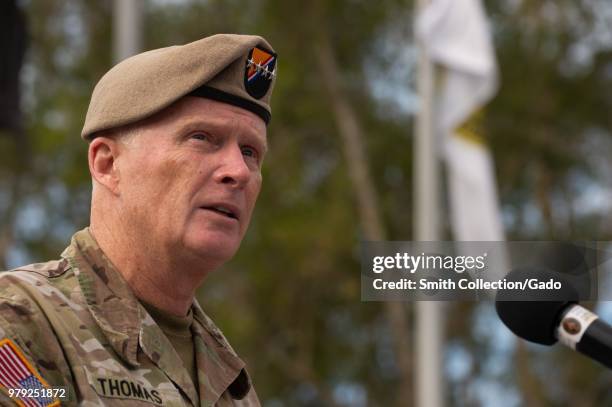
(233, 170)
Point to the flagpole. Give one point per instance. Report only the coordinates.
(127, 28)
(429, 386)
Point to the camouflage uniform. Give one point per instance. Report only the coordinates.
(79, 325)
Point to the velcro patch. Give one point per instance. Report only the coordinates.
(20, 380)
(125, 388)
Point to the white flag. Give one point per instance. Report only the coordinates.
(458, 40)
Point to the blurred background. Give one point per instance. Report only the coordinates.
(290, 301)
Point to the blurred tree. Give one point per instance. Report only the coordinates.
(13, 142)
(12, 46)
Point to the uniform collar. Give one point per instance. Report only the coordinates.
(108, 296)
(230, 370)
(128, 326)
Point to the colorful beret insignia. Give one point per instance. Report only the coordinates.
(17, 375)
(259, 71)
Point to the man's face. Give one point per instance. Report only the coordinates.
(190, 177)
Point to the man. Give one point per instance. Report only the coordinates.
(176, 139)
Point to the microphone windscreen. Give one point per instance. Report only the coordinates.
(534, 314)
(563, 257)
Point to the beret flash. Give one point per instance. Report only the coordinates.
(230, 68)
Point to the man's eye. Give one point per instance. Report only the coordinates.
(249, 152)
(201, 136)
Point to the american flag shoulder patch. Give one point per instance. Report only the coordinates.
(20, 381)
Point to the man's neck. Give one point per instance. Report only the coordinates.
(150, 274)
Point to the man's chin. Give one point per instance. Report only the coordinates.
(213, 251)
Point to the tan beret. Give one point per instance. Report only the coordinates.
(230, 68)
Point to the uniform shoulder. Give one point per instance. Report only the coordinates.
(28, 295)
(49, 269)
(31, 275)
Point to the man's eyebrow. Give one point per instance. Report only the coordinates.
(264, 143)
(196, 124)
(212, 124)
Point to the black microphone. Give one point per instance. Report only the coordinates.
(548, 316)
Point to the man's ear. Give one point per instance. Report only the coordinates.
(102, 156)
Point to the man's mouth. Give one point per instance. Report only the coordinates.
(223, 210)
